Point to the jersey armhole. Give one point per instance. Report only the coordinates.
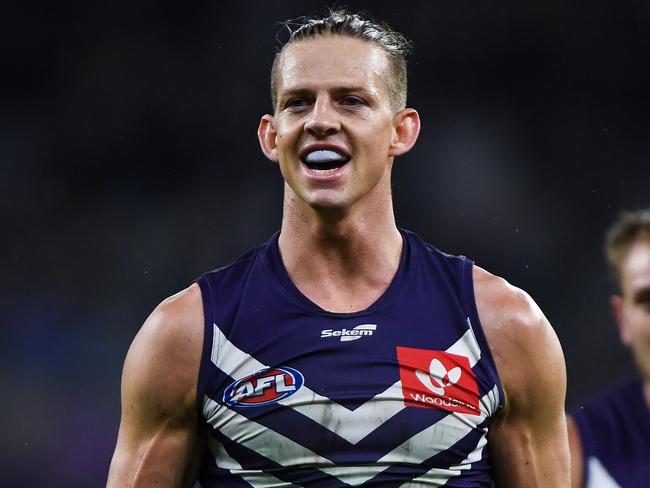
(469, 304)
(208, 333)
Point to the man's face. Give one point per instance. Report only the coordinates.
(333, 128)
(632, 308)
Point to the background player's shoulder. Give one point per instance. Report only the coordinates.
(618, 401)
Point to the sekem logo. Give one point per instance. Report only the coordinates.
(346, 335)
(437, 379)
(266, 386)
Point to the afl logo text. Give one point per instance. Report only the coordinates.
(266, 386)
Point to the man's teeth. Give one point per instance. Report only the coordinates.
(323, 156)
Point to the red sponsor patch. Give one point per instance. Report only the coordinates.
(437, 379)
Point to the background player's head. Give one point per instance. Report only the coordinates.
(343, 23)
(628, 254)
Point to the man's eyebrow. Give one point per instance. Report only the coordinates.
(293, 92)
(354, 89)
(336, 89)
(350, 88)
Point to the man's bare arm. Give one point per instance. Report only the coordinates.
(157, 443)
(577, 460)
(528, 439)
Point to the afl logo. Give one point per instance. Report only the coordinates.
(266, 386)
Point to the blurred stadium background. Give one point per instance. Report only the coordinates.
(130, 164)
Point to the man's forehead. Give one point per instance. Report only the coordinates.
(332, 57)
(636, 265)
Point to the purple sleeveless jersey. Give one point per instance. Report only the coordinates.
(400, 394)
(615, 434)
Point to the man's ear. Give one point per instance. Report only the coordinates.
(406, 128)
(616, 302)
(267, 134)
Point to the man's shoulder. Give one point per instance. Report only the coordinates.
(455, 266)
(431, 250)
(161, 367)
(176, 316)
(243, 259)
(523, 343)
(505, 308)
(173, 332)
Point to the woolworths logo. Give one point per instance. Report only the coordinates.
(346, 335)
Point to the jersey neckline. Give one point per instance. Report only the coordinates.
(273, 260)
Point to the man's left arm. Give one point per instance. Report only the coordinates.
(528, 440)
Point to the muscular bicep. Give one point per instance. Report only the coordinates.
(158, 438)
(529, 440)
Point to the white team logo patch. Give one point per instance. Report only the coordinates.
(346, 335)
(438, 377)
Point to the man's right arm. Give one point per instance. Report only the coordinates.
(158, 439)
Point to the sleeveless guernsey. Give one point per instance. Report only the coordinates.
(615, 434)
(400, 394)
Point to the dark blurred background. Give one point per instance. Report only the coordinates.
(130, 164)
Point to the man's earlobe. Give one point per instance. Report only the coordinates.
(406, 125)
(266, 134)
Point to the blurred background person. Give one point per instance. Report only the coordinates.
(610, 436)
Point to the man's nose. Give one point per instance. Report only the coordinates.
(323, 119)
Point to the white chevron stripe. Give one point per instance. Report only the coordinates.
(490, 401)
(272, 445)
(351, 425)
(254, 477)
(467, 346)
(224, 460)
(425, 444)
(266, 442)
(598, 476)
(438, 477)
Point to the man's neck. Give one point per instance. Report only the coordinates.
(341, 264)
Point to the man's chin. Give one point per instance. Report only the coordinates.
(329, 206)
(324, 198)
(326, 202)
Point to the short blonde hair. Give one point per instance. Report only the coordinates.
(343, 23)
(628, 229)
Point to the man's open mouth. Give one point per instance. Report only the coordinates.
(324, 159)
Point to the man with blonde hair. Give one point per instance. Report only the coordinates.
(345, 351)
(610, 437)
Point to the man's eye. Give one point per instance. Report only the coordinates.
(642, 297)
(296, 103)
(352, 101)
